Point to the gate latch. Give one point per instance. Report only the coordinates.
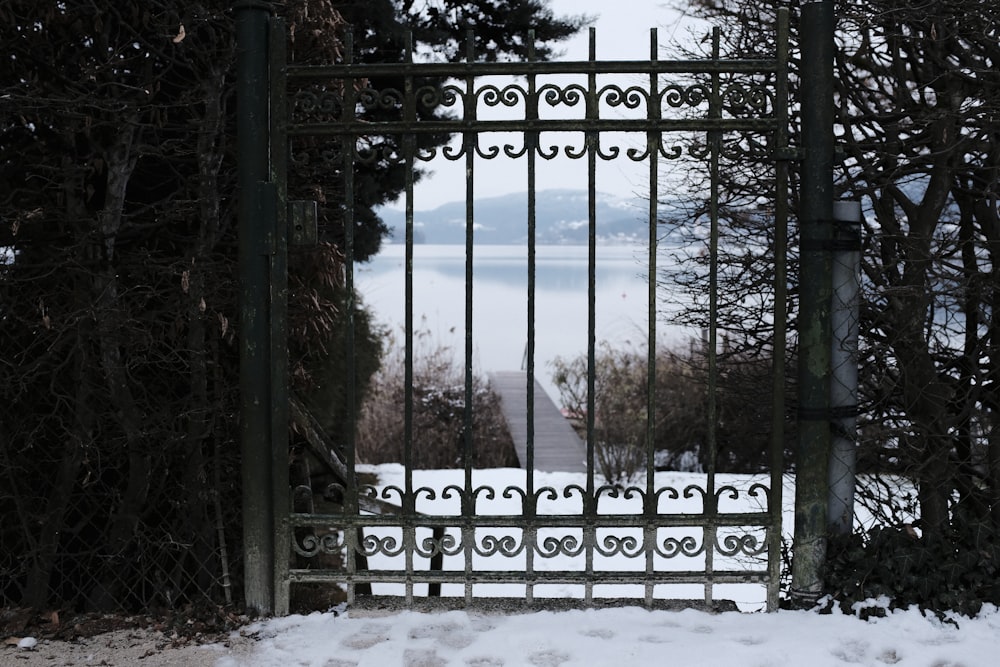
(302, 223)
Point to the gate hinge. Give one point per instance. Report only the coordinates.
(302, 223)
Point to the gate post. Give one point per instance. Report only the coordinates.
(844, 365)
(815, 224)
(256, 196)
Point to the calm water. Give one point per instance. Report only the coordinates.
(500, 282)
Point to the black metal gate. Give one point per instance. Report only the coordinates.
(371, 536)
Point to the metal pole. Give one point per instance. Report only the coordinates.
(255, 223)
(778, 378)
(816, 211)
(280, 389)
(844, 364)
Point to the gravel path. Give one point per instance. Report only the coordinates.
(147, 648)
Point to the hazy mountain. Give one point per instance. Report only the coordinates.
(561, 219)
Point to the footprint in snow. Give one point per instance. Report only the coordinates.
(368, 636)
(484, 662)
(451, 635)
(422, 658)
(889, 657)
(550, 658)
(851, 651)
(599, 633)
(751, 641)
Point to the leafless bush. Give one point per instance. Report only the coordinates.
(680, 426)
(439, 419)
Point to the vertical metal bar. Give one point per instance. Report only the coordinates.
(356, 562)
(777, 444)
(813, 451)
(590, 502)
(653, 148)
(408, 333)
(353, 539)
(279, 318)
(715, 145)
(844, 365)
(254, 222)
(470, 140)
(531, 509)
(409, 148)
(408, 353)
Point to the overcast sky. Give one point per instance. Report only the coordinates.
(622, 33)
(622, 26)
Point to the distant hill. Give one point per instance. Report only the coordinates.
(561, 219)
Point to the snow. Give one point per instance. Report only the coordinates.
(630, 636)
(596, 637)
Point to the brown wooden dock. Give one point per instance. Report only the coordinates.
(557, 447)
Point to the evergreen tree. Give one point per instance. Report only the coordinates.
(118, 408)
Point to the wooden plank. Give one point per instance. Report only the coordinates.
(557, 447)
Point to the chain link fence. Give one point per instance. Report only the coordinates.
(120, 476)
(97, 518)
(118, 447)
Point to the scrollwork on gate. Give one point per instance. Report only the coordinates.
(565, 545)
(363, 116)
(508, 96)
(433, 97)
(446, 546)
(389, 545)
(619, 545)
(504, 545)
(676, 96)
(317, 104)
(740, 545)
(311, 545)
(673, 547)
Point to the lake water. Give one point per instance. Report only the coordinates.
(500, 299)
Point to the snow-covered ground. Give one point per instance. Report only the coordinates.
(629, 635)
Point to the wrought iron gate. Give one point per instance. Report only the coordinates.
(395, 537)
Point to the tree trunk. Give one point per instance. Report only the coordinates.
(76, 434)
(199, 428)
(53, 520)
(111, 327)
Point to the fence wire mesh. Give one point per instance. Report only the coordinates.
(118, 453)
(95, 522)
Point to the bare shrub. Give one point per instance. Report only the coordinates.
(439, 419)
(620, 407)
(680, 427)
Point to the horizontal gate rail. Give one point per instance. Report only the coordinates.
(720, 519)
(478, 69)
(541, 578)
(349, 128)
